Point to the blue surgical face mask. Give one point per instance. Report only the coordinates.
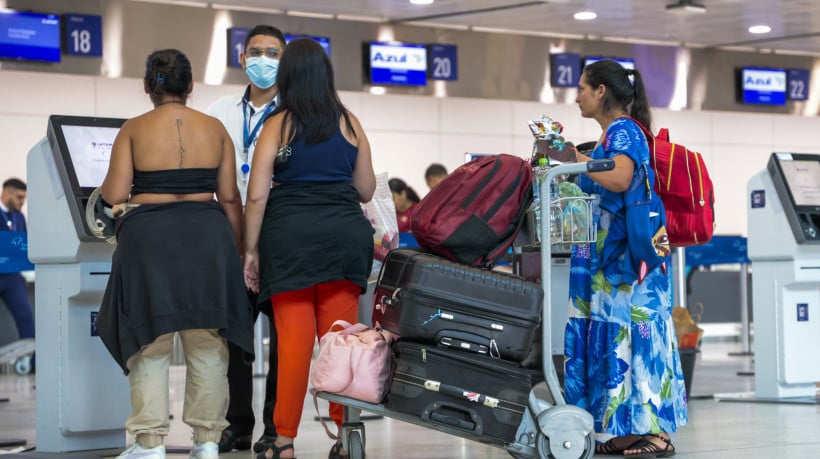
(262, 71)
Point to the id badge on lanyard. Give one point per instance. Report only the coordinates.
(249, 135)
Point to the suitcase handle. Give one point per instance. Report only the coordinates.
(454, 415)
(438, 386)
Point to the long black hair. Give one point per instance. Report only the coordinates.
(168, 71)
(621, 94)
(398, 185)
(307, 95)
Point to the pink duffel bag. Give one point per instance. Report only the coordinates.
(356, 362)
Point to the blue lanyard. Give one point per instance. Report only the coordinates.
(249, 134)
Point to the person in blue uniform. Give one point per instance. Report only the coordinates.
(12, 285)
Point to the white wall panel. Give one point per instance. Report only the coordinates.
(743, 128)
(32, 92)
(400, 113)
(404, 155)
(477, 116)
(407, 133)
(800, 132)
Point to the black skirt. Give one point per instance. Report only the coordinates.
(313, 233)
(176, 267)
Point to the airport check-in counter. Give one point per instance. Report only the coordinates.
(784, 247)
(83, 397)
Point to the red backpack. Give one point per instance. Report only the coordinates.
(684, 186)
(474, 214)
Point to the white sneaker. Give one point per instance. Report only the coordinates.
(205, 450)
(138, 452)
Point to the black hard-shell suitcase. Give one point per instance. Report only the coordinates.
(426, 298)
(479, 394)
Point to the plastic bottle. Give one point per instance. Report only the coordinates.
(540, 171)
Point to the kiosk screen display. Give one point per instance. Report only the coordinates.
(90, 150)
(82, 149)
(803, 179)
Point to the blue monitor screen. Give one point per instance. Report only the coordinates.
(625, 62)
(324, 41)
(29, 36)
(763, 86)
(397, 63)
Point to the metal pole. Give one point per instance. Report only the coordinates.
(745, 331)
(679, 273)
(259, 347)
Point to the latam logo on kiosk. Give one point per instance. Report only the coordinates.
(763, 86)
(398, 63)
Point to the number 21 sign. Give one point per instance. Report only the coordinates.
(565, 69)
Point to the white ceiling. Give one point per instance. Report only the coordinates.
(795, 23)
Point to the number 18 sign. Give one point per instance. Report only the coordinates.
(83, 35)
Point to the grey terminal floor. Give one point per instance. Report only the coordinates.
(715, 430)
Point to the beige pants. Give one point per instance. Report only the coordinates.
(206, 387)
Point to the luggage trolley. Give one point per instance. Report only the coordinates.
(549, 428)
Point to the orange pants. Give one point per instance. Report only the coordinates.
(300, 317)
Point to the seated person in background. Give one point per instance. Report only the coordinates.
(405, 199)
(435, 173)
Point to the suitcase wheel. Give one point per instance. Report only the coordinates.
(23, 365)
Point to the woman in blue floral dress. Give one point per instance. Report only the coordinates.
(622, 362)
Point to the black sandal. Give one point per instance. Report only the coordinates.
(610, 447)
(336, 452)
(650, 449)
(277, 452)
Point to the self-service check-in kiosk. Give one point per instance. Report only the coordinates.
(83, 398)
(784, 248)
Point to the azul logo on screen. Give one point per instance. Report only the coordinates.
(399, 57)
(764, 80)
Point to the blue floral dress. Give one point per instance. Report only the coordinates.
(622, 361)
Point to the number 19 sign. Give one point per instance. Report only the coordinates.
(83, 35)
(442, 62)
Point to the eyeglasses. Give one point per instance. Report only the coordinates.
(271, 52)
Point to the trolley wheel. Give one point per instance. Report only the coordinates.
(544, 449)
(23, 365)
(355, 446)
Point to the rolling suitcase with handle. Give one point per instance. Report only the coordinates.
(478, 394)
(426, 298)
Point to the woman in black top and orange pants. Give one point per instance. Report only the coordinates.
(309, 247)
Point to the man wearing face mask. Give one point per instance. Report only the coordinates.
(243, 117)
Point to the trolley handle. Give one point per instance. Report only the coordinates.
(595, 165)
(600, 165)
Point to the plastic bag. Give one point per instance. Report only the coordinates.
(381, 212)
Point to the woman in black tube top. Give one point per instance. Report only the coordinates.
(177, 265)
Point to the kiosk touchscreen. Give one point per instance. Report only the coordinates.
(82, 394)
(784, 249)
(796, 178)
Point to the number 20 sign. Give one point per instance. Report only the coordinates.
(442, 62)
(82, 35)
